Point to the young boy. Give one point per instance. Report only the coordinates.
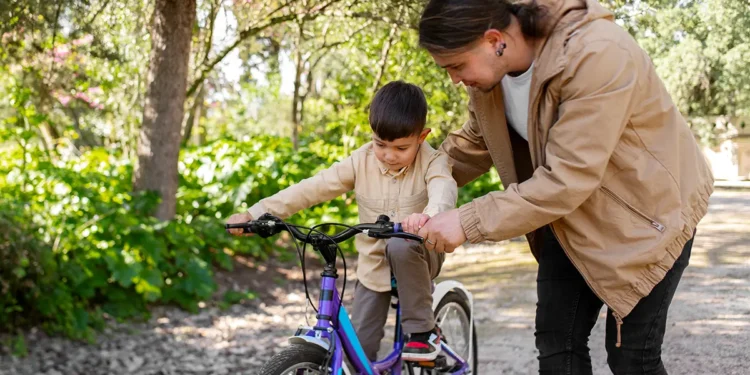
(399, 175)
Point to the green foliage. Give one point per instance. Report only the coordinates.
(81, 245)
(700, 49)
(76, 244)
(17, 345)
(483, 185)
(79, 65)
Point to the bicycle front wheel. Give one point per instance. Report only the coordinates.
(297, 359)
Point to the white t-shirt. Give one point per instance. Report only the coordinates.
(516, 99)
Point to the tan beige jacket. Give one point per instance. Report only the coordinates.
(425, 186)
(610, 162)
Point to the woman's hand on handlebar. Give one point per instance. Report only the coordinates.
(240, 218)
(444, 232)
(414, 222)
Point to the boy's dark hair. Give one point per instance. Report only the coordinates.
(398, 110)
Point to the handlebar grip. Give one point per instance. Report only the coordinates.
(246, 227)
(238, 225)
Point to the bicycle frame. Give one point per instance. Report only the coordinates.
(335, 326)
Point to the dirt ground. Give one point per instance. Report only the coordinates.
(709, 321)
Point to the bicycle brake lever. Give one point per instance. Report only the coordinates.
(394, 234)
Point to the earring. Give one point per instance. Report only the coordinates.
(499, 52)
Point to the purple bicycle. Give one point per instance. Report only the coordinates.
(332, 346)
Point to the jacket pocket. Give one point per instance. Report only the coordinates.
(636, 212)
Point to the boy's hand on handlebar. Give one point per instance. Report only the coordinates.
(240, 218)
(414, 222)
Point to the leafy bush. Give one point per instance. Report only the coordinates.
(76, 244)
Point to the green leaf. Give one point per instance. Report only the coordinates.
(19, 272)
(18, 345)
(234, 296)
(198, 280)
(149, 284)
(124, 273)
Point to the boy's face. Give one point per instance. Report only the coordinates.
(398, 153)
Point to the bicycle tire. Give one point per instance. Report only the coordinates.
(295, 355)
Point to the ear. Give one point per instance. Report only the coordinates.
(494, 38)
(424, 134)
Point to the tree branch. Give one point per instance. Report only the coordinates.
(384, 58)
(247, 33)
(374, 17)
(252, 31)
(208, 41)
(326, 48)
(211, 23)
(98, 12)
(280, 7)
(243, 35)
(54, 36)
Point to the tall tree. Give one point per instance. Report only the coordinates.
(159, 140)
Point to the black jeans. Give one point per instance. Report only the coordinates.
(567, 311)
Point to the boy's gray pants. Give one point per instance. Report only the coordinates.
(414, 268)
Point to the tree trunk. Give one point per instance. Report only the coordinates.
(296, 100)
(159, 139)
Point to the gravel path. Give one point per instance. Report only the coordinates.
(709, 329)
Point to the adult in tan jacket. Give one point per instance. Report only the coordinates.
(600, 171)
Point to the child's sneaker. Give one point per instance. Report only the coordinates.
(422, 347)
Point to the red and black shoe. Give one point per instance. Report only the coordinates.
(422, 347)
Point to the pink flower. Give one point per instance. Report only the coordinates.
(91, 102)
(59, 53)
(95, 90)
(86, 39)
(64, 99)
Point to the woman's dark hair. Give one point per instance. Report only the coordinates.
(398, 110)
(451, 25)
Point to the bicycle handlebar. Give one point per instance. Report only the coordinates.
(269, 225)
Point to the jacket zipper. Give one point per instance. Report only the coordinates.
(653, 223)
(616, 315)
